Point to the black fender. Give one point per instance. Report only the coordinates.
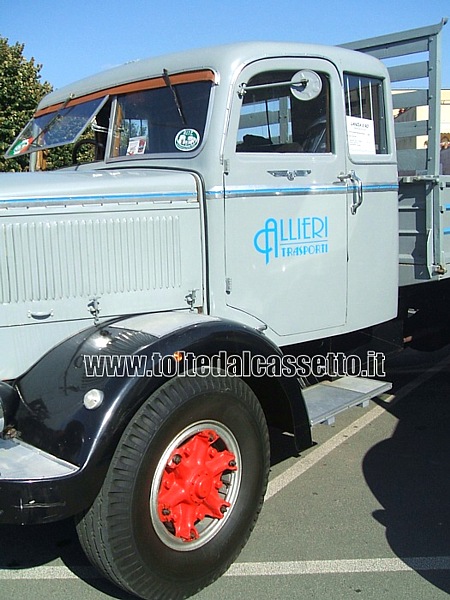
(52, 415)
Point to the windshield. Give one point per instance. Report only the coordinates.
(158, 122)
(163, 115)
(55, 128)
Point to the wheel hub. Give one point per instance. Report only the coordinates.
(201, 486)
(191, 483)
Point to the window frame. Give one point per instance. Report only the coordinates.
(288, 104)
(380, 124)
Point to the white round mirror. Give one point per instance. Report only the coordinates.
(306, 85)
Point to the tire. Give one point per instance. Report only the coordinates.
(183, 491)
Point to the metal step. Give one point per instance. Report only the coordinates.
(326, 399)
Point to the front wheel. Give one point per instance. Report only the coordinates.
(183, 490)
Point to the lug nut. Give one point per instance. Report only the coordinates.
(176, 459)
(165, 512)
(223, 509)
(232, 463)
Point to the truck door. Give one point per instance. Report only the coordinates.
(285, 205)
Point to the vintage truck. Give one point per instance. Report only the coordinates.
(238, 229)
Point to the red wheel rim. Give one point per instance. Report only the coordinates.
(196, 483)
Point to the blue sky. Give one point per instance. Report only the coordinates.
(76, 38)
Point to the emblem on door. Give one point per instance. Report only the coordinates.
(290, 175)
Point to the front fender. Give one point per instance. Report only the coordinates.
(52, 415)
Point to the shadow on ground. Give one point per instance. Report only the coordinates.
(38, 545)
(409, 473)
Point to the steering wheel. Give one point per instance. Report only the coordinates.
(80, 143)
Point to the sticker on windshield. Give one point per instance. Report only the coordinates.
(21, 147)
(187, 139)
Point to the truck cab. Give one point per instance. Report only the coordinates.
(255, 182)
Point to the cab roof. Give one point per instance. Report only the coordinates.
(223, 60)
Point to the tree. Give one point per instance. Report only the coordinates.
(20, 91)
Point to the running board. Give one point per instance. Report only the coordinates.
(327, 399)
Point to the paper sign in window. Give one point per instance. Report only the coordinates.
(361, 135)
(136, 145)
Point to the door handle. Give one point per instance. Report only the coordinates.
(358, 193)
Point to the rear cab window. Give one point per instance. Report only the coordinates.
(365, 114)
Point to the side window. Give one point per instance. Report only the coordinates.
(365, 114)
(280, 113)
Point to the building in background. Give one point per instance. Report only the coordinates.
(420, 113)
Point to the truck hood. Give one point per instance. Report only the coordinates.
(80, 247)
(80, 186)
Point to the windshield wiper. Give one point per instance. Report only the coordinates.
(175, 96)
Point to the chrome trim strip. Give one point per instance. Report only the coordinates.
(98, 198)
(300, 191)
